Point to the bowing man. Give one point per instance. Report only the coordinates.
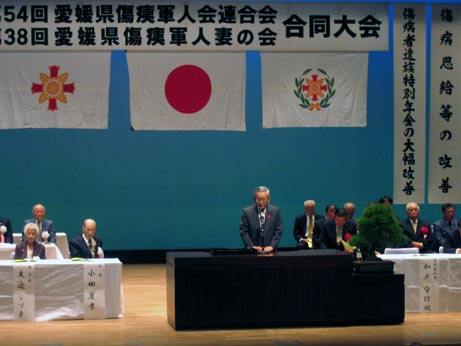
(261, 225)
(86, 245)
(333, 231)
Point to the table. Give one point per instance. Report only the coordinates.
(61, 289)
(51, 251)
(287, 288)
(432, 281)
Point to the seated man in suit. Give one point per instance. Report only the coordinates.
(86, 245)
(417, 231)
(349, 207)
(330, 211)
(47, 233)
(6, 230)
(261, 224)
(303, 230)
(446, 231)
(333, 231)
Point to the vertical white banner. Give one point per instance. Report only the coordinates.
(409, 103)
(24, 291)
(445, 122)
(429, 287)
(94, 299)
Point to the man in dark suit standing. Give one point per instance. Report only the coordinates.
(261, 225)
(47, 233)
(417, 231)
(86, 245)
(6, 230)
(333, 231)
(446, 231)
(303, 230)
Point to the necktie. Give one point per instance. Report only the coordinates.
(262, 220)
(414, 224)
(310, 228)
(91, 247)
(339, 235)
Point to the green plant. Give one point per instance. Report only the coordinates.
(378, 228)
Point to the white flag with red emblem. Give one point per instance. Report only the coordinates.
(54, 90)
(187, 91)
(314, 89)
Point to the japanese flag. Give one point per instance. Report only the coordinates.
(187, 91)
(54, 90)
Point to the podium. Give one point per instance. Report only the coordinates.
(283, 289)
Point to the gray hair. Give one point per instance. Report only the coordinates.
(409, 204)
(309, 201)
(262, 189)
(33, 226)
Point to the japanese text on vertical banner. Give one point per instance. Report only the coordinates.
(135, 25)
(429, 289)
(23, 291)
(94, 290)
(444, 158)
(409, 103)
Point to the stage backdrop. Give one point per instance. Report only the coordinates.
(186, 189)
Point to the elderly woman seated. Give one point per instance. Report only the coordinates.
(30, 248)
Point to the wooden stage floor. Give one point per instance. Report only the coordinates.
(145, 323)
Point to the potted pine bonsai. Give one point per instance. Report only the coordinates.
(378, 228)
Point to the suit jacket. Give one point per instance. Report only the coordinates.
(79, 248)
(446, 236)
(299, 229)
(418, 236)
(9, 229)
(250, 229)
(328, 234)
(21, 251)
(47, 225)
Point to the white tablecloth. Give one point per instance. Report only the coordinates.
(51, 251)
(432, 282)
(60, 289)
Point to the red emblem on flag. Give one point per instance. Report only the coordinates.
(312, 93)
(53, 88)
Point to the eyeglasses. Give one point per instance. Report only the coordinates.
(261, 199)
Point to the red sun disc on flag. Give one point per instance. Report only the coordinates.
(188, 89)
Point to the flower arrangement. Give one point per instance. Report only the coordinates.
(424, 231)
(378, 228)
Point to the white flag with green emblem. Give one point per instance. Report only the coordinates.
(314, 89)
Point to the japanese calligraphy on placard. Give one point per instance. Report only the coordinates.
(140, 25)
(409, 103)
(23, 291)
(444, 154)
(94, 299)
(429, 287)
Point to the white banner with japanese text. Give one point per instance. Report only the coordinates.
(409, 103)
(444, 151)
(171, 25)
(94, 298)
(24, 291)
